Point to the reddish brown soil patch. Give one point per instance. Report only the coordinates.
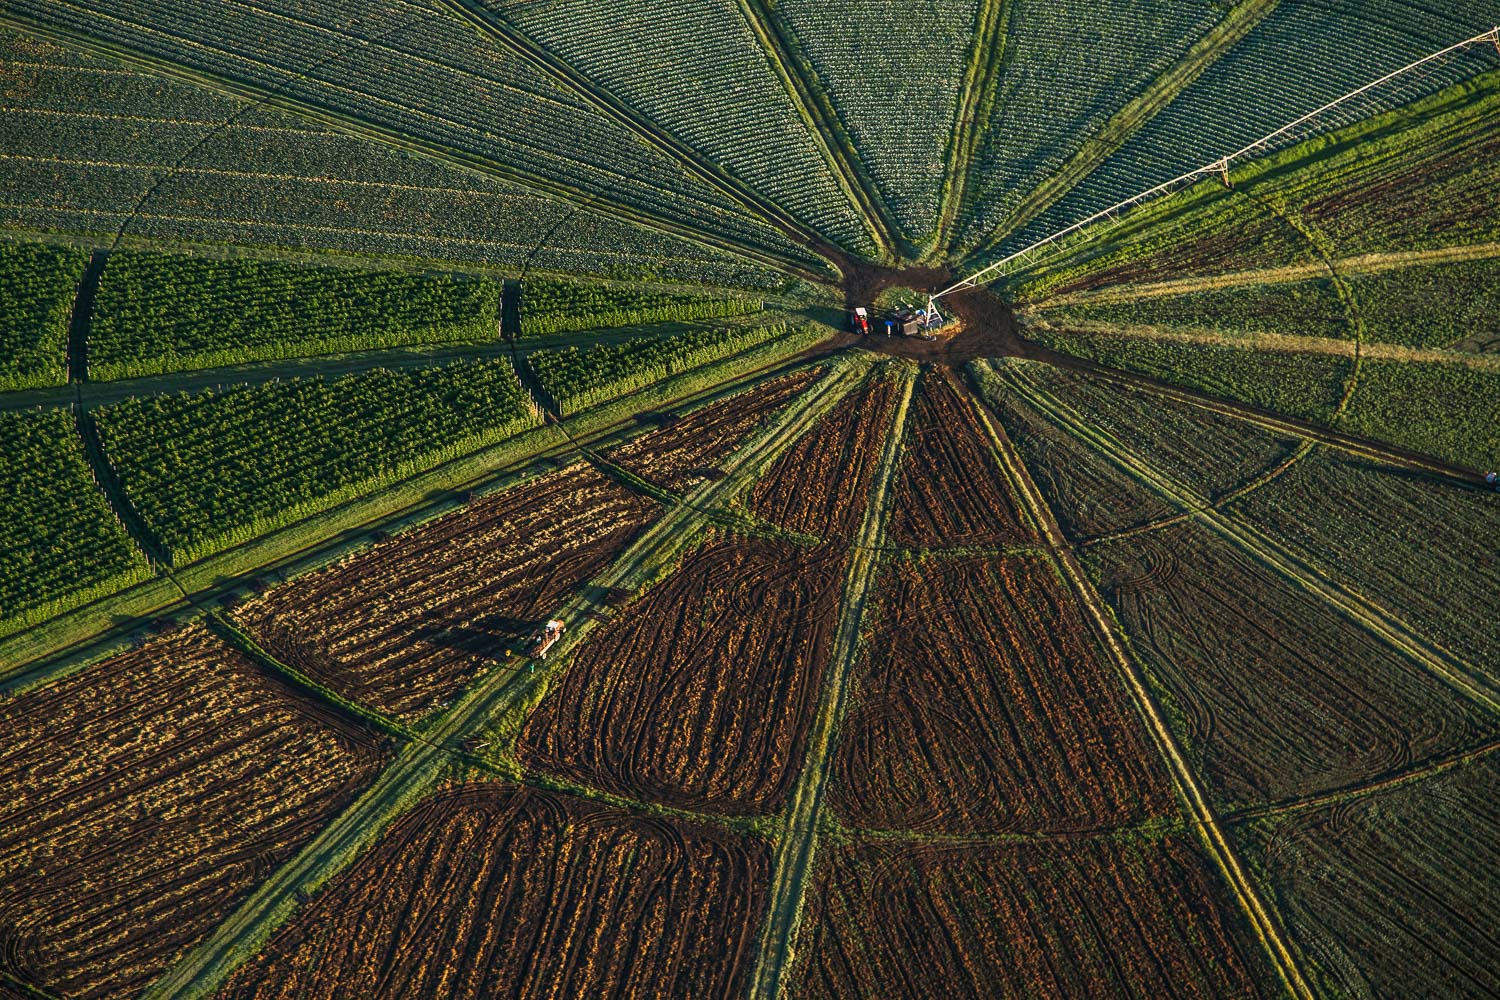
(951, 489)
(700, 694)
(494, 891)
(821, 485)
(141, 800)
(985, 707)
(404, 626)
(690, 451)
(1089, 918)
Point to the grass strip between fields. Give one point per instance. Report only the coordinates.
(797, 847)
(502, 693)
(1267, 926)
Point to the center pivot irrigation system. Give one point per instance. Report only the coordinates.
(1030, 256)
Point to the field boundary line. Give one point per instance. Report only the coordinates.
(815, 108)
(1239, 22)
(1267, 926)
(498, 29)
(1382, 624)
(971, 118)
(796, 849)
(1359, 265)
(369, 131)
(1429, 768)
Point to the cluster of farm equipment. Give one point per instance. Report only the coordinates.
(922, 322)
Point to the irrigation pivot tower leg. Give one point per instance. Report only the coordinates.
(1224, 173)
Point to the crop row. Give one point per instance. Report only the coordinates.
(1301, 308)
(894, 82)
(271, 179)
(556, 306)
(170, 312)
(699, 71)
(37, 285)
(1068, 68)
(145, 797)
(420, 77)
(60, 544)
(1299, 58)
(1414, 178)
(211, 469)
(574, 378)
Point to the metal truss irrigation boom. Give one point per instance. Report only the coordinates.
(1216, 168)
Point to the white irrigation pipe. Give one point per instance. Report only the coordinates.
(1219, 166)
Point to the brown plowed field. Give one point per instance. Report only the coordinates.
(404, 626)
(951, 489)
(142, 799)
(701, 693)
(1084, 918)
(1393, 894)
(986, 707)
(691, 451)
(493, 891)
(821, 485)
(1276, 692)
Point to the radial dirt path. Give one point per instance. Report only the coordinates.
(797, 848)
(1266, 926)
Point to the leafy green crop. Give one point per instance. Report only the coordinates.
(37, 286)
(1438, 409)
(60, 544)
(556, 306)
(574, 378)
(1304, 309)
(169, 312)
(215, 468)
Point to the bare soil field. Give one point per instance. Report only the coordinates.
(491, 890)
(689, 451)
(403, 626)
(1085, 918)
(984, 706)
(701, 693)
(145, 797)
(1277, 693)
(951, 490)
(821, 485)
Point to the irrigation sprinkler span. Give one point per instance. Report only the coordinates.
(1215, 168)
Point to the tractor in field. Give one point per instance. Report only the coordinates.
(901, 322)
(544, 638)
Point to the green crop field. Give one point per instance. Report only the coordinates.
(754, 499)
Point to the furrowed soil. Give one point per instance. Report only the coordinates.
(689, 451)
(821, 484)
(1089, 495)
(145, 797)
(1083, 918)
(497, 891)
(951, 489)
(404, 626)
(701, 693)
(1276, 693)
(1393, 895)
(984, 706)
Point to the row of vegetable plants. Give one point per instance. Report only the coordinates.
(422, 79)
(574, 378)
(1440, 409)
(1298, 58)
(211, 469)
(552, 305)
(60, 543)
(160, 312)
(37, 287)
(1418, 177)
(1453, 306)
(699, 71)
(81, 160)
